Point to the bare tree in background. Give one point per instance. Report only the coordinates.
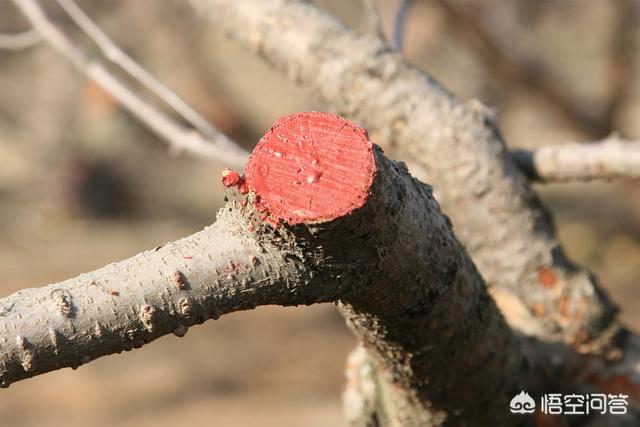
(440, 342)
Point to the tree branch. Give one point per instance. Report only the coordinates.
(217, 147)
(400, 23)
(127, 304)
(372, 13)
(114, 54)
(19, 41)
(458, 148)
(621, 63)
(607, 159)
(381, 248)
(455, 146)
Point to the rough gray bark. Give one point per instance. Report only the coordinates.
(455, 146)
(129, 303)
(405, 285)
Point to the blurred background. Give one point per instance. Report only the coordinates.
(82, 183)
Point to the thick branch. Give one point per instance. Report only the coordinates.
(217, 146)
(607, 159)
(453, 145)
(362, 232)
(417, 299)
(129, 303)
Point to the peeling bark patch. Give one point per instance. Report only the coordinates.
(113, 292)
(230, 268)
(547, 277)
(538, 310)
(97, 330)
(6, 309)
(147, 316)
(53, 336)
(565, 308)
(62, 301)
(185, 309)
(27, 356)
(180, 280)
(311, 167)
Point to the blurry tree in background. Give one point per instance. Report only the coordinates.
(85, 181)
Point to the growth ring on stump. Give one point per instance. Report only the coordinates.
(311, 167)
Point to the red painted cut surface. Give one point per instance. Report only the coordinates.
(311, 167)
(231, 178)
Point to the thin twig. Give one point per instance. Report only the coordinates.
(19, 41)
(114, 54)
(607, 159)
(372, 12)
(218, 146)
(400, 23)
(621, 63)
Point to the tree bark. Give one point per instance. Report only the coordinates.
(124, 305)
(406, 287)
(454, 146)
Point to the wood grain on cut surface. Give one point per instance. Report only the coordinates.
(311, 167)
